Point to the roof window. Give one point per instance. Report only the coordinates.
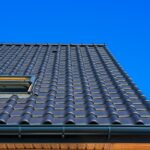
(16, 84)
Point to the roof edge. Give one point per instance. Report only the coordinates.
(90, 44)
(75, 133)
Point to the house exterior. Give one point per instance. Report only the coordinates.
(69, 96)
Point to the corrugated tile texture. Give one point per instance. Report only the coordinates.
(75, 84)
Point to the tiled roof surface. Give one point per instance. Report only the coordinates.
(75, 84)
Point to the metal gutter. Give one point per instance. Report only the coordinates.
(76, 130)
(93, 133)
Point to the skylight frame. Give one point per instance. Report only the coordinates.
(7, 81)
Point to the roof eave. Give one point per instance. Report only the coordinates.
(70, 133)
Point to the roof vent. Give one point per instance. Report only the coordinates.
(54, 51)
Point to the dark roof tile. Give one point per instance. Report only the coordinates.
(75, 84)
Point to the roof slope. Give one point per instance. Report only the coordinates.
(75, 84)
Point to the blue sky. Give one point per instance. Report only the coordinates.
(122, 24)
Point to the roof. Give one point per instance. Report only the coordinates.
(76, 84)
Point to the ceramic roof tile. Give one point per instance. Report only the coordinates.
(75, 84)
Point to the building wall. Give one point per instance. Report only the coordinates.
(81, 146)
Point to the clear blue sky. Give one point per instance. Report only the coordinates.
(123, 24)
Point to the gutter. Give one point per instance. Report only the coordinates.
(68, 133)
(76, 130)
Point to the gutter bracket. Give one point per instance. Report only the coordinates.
(109, 133)
(19, 132)
(63, 132)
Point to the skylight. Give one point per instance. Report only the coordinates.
(16, 84)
